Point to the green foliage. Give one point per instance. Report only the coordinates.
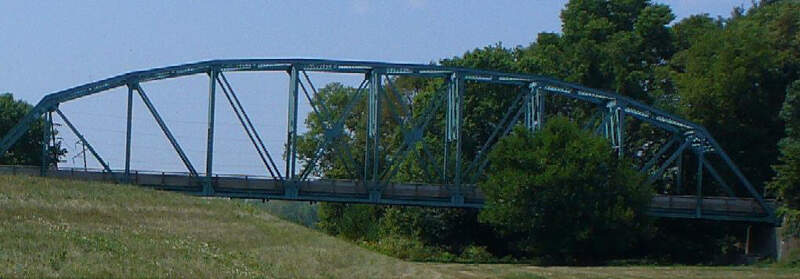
(786, 183)
(476, 254)
(792, 260)
(617, 46)
(337, 100)
(74, 229)
(728, 74)
(408, 249)
(28, 149)
(566, 191)
(732, 79)
(612, 45)
(298, 212)
(354, 222)
(696, 242)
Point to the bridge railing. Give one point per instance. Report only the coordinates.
(261, 187)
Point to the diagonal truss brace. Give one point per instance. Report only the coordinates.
(165, 129)
(80, 136)
(248, 127)
(411, 136)
(749, 187)
(506, 123)
(667, 163)
(660, 153)
(716, 176)
(332, 131)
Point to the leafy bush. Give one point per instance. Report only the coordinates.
(408, 249)
(476, 254)
(565, 193)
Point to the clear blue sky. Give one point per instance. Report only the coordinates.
(46, 46)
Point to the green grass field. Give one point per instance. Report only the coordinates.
(58, 228)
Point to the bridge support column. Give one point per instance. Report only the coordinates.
(620, 114)
(291, 138)
(762, 241)
(290, 184)
(534, 109)
(679, 176)
(699, 191)
(208, 185)
(786, 243)
(48, 119)
(372, 146)
(455, 101)
(614, 126)
(128, 132)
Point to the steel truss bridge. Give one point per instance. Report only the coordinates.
(374, 173)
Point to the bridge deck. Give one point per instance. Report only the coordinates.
(348, 191)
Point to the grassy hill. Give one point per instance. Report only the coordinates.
(51, 228)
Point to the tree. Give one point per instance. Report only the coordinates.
(733, 76)
(610, 45)
(786, 183)
(727, 74)
(613, 45)
(28, 149)
(564, 190)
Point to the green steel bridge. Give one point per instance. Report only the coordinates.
(721, 191)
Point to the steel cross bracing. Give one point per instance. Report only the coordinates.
(374, 175)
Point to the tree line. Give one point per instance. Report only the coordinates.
(732, 75)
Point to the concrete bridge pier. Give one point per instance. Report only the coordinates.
(763, 241)
(786, 244)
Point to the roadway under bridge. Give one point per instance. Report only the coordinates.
(723, 193)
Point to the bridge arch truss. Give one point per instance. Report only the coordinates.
(375, 182)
